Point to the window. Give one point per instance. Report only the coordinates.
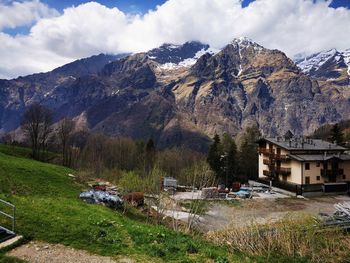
(307, 166)
(318, 164)
(318, 178)
(307, 180)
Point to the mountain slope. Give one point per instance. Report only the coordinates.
(184, 94)
(331, 65)
(246, 83)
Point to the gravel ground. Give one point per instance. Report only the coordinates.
(220, 215)
(40, 252)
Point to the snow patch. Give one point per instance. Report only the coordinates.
(188, 62)
(244, 42)
(314, 62)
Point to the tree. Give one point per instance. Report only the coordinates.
(248, 157)
(36, 124)
(150, 155)
(214, 157)
(337, 135)
(231, 163)
(65, 131)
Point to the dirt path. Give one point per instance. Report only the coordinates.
(40, 252)
(220, 216)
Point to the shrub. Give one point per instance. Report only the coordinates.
(301, 237)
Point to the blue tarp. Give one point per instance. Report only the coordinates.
(93, 197)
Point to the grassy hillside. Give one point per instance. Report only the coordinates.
(48, 209)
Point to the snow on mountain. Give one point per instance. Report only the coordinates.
(346, 55)
(331, 58)
(244, 42)
(171, 56)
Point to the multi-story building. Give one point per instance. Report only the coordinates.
(301, 161)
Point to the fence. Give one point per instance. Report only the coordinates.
(5, 232)
(308, 188)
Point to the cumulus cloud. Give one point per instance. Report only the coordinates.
(14, 14)
(293, 26)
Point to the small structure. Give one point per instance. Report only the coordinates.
(302, 164)
(7, 232)
(169, 183)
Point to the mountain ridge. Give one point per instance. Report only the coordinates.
(155, 94)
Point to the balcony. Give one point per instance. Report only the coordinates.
(283, 171)
(266, 173)
(330, 172)
(264, 151)
(269, 162)
(282, 157)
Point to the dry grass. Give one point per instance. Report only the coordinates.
(291, 237)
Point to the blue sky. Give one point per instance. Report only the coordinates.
(36, 35)
(144, 5)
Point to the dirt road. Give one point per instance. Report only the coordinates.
(40, 252)
(220, 215)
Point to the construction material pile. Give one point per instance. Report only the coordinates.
(342, 211)
(210, 192)
(102, 197)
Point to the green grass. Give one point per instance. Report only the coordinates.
(48, 209)
(25, 152)
(15, 150)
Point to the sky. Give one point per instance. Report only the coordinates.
(40, 35)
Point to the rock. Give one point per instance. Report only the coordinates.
(243, 84)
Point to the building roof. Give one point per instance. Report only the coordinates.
(319, 157)
(304, 144)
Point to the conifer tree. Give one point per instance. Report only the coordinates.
(214, 157)
(337, 135)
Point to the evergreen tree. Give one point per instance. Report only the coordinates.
(248, 159)
(231, 164)
(337, 135)
(229, 149)
(214, 157)
(150, 155)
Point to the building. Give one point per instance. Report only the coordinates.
(299, 161)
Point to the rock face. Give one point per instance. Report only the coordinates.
(184, 94)
(331, 69)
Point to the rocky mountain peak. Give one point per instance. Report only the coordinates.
(331, 65)
(179, 57)
(182, 94)
(244, 42)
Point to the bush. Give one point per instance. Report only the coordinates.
(131, 182)
(302, 237)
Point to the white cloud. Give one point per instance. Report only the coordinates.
(14, 14)
(292, 26)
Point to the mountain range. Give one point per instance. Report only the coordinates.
(184, 94)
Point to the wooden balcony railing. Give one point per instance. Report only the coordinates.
(266, 173)
(284, 171)
(266, 162)
(330, 172)
(264, 151)
(282, 157)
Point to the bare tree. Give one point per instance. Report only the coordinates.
(65, 131)
(36, 124)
